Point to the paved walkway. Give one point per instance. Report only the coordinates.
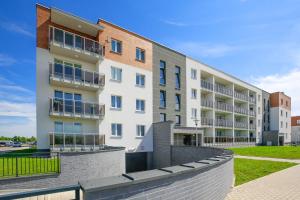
(277, 186)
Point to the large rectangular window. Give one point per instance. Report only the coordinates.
(140, 80)
(116, 74)
(194, 94)
(116, 130)
(162, 103)
(116, 46)
(193, 74)
(140, 54)
(162, 72)
(298, 122)
(194, 113)
(140, 130)
(177, 77)
(116, 102)
(140, 105)
(177, 119)
(177, 102)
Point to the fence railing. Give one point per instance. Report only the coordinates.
(207, 103)
(224, 106)
(240, 96)
(76, 141)
(29, 164)
(243, 125)
(207, 121)
(252, 100)
(223, 90)
(40, 192)
(76, 108)
(252, 126)
(240, 110)
(223, 140)
(223, 123)
(207, 85)
(74, 41)
(76, 74)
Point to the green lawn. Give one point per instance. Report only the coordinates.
(287, 152)
(246, 170)
(24, 163)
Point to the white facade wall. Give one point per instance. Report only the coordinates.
(216, 74)
(277, 119)
(127, 116)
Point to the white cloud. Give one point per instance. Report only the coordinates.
(6, 60)
(287, 83)
(10, 128)
(17, 109)
(198, 49)
(12, 27)
(174, 23)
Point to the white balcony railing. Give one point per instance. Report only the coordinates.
(71, 108)
(207, 121)
(207, 85)
(224, 106)
(240, 96)
(223, 90)
(207, 103)
(240, 110)
(74, 41)
(76, 75)
(243, 125)
(223, 123)
(252, 126)
(252, 113)
(252, 100)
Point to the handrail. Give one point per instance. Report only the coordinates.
(43, 192)
(85, 76)
(240, 96)
(224, 106)
(223, 90)
(207, 85)
(207, 103)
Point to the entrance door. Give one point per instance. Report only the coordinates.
(281, 141)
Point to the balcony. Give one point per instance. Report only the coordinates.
(74, 77)
(74, 46)
(223, 123)
(252, 113)
(223, 90)
(224, 106)
(240, 110)
(228, 141)
(207, 103)
(207, 85)
(252, 127)
(76, 109)
(207, 121)
(76, 141)
(252, 100)
(240, 125)
(240, 96)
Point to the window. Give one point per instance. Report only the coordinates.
(258, 123)
(281, 101)
(116, 46)
(162, 72)
(116, 130)
(178, 119)
(281, 124)
(69, 39)
(298, 122)
(140, 80)
(140, 105)
(258, 110)
(116, 102)
(193, 74)
(177, 77)
(287, 103)
(286, 114)
(286, 125)
(194, 113)
(281, 113)
(140, 130)
(162, 103)
(177, 102)
(194, 94)
(116, 74)
(67, 127)
(58, 35)
(162, 117)
(58, 127)
(140, 54)
(258, 97)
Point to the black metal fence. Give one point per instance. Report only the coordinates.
(29, 164)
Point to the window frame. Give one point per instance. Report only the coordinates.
(138, 80)
(136, 105)
(192, 92)
(141, 57)
(177, 77)
(178, 117)
(193, 75)
(115, 102)
(114, 74)
(164, 100)
(177, 104)
(164, 115)
(117, 51)
(138, 129)
(117, 126)
(162, 72)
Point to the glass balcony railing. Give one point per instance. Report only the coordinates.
(223, 123)
(240, 110)
(73, 108)
(242, 125)
(252, 126)
(207, 103)
(252, 113)
(223, 90)
(207, 121)
(224, 106)
(207, 85)
(241, 96)
(76, 75)
(252, 100)
(74, 41)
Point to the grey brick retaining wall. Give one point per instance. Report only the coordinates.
(74, 167)
(210, 180)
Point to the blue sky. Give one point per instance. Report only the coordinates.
(255, 40)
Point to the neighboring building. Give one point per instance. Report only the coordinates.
(101, 84)
(295, 130)
(266, 111)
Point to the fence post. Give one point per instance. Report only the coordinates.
(16, 166)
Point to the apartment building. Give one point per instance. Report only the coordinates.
(295, 138)
(100, 84)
